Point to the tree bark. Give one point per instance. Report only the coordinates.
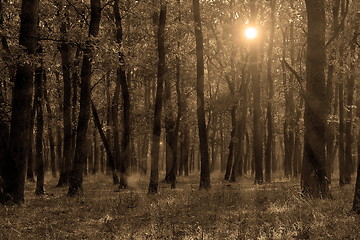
(76, 176)
(13, 173)
(270, 135)
(330, 130)
(356, 203)
(313, 178)
(155, 148)
(104, 139)
(67, 107)
(30, 157)
(255, 79)
(39, 156)
(205, 168)
(121, 78)
(50, 130)
(230, 159)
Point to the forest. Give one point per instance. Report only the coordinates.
(179, 119)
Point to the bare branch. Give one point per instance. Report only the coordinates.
(297, 76)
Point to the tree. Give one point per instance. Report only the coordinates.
(76, 176)
(205, 168)
(13, 172)
(65, 51)
(121, 78)
(356, 203)
(255, 79)
(39, 99)
(270, 135)
(155, 148)
(313, 178)
(110, 158)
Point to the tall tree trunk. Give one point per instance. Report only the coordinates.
(39, 75)
(288, 123)
(345, 158)
(238, 165)
(67, 118)
(104, 139)
(13, 173)
(313, 178)
(75, 79)
(345, 175)
(270, 135)
(115, 124)
(255, 79)
(230, 159)
(4, 127)
(350, 84)
(174, 168)
(205, 168)
(171, 130)
(110, 158)
(50, 130)
(356, 202)
(330, 130)
(121, 78)
(155, 148)
(30, 157)
(355, 58)
(59, 141)
(76, 176)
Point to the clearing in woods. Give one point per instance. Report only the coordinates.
(226, 211)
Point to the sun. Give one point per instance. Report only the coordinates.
(251, 32)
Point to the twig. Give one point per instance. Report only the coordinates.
(78, 12)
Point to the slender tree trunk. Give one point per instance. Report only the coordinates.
(230, 159)
(104, 139)
(115, 124)
(67, 118)
(155, 149)
(350, 86)
(270, 135)
(313, 178)
(205, 168)
(121, 78)
(330, 131)
(59, 141)
(75, 79)
(356, 203)
(255, 79)
(50, 130)
(76, 176)
(13, 173)
(174, 168)
(238, 166)
(344, 174)
(171, 131)
(4, 126)
(354, 57)
(288, 123)
(30, 157)
(39, 156)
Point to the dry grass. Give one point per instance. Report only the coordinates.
(226, 211)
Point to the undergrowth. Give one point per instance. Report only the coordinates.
(226, 211)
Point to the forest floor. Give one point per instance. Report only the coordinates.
(226, 211)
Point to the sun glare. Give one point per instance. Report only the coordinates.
(251, 32)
